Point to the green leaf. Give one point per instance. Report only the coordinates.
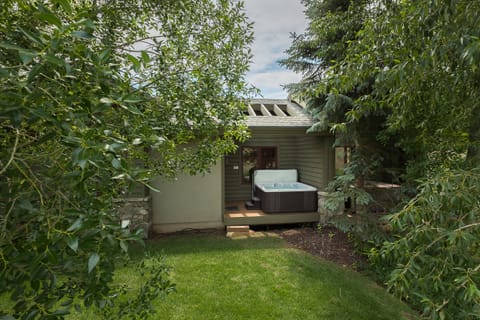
(76, 225)
(149, 186)
(82, 34)
(82, 163)
(27, 56)
(116, 163)
(145, 57)
(120, 176)
(54, 60)
(93, 261)
(31, 315)
(124, 246)
(65, 4)
(134, 61)
(7, 45)
(67, 303)
(61, 312)
(89, 23)
(78, 307)
(49, 17)
(132, 100)
(131, 109)
(34, 71)
(26, 204)
(73, 243)
(33, 38)
(114, 147)
(105, 55)
(107, 101)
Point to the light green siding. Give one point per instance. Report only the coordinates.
(189, 202)
(315, 160)
(312, 155)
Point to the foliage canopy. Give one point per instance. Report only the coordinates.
(436, 260)
(89, 91)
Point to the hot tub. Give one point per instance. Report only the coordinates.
(286, 195)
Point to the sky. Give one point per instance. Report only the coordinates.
(273, 20)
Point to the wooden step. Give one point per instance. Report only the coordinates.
(238, 229)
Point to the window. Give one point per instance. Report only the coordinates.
(257, 158)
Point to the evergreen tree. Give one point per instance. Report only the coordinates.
(333, 26)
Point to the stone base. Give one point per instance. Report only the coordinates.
(135, 213)
(325, 214)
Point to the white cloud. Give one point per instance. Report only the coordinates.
(271, 82)
(274, 20)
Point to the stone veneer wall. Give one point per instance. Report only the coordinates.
(325, 214)
(136, 213)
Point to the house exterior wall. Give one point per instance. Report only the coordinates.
(196, 202)
(189, 202)
(312, 155)
(315, 160)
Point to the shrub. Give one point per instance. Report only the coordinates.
(435, 259)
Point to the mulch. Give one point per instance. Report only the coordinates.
(327, 243)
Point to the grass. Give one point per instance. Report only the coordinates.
(260, 278)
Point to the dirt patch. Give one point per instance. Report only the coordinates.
(327, 243)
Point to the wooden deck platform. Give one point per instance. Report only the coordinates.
(236, 214)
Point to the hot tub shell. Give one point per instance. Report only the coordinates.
(279, 191)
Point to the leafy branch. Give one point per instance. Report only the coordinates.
(12, 154)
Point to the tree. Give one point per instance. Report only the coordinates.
(429, 79)
(422, 58)
(425, 74)
(333, 26)
(434, 260)
(97, 95)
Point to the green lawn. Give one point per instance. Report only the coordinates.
(260, 278)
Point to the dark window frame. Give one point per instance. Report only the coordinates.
(259, 149)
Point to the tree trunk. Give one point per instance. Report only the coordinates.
(359, 176)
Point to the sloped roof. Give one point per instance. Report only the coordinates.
(277, 113)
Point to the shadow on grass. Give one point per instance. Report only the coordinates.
(176, 244)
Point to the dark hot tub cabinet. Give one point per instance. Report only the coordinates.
(279, 191)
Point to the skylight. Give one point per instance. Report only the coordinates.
(269, 110)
